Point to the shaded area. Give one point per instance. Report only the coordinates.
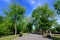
(56, 37)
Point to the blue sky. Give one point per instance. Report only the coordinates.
(30, 5)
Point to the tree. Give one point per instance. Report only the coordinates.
(30, 24)
(15, 13)
(44, 17)
(4, 29)
(27, 24)
(1, 19)
(57, 6)
(58, 28)
(23, 25)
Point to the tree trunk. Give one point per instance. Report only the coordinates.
(42, 32)
(15, 30)
(50, 33)
(46, 32)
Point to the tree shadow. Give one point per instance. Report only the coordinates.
(48, 36)
(54, 38)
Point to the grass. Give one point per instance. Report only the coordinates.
(11, 37)
(56, 37)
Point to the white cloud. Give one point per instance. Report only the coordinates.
(8, 1)
(32, 2)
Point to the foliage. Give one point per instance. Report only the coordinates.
(58, 28)
(13, 16)
(20, 34)
(57, 6)
(44, 17)
(15, 21)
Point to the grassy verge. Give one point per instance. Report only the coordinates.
(11, 37)
(56, 37)
(8, 37)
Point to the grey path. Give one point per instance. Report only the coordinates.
(32, 37)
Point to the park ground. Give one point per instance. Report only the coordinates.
(30, 37)
(8, 37)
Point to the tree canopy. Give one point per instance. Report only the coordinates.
(44, 16)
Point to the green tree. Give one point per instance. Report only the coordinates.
(57, 6)
(4, 29)
(58, 28)
(15, 14)
(27, 24)
(44, 17)
(1, 19)
(30, 24)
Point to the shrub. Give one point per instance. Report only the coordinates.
(20, 34)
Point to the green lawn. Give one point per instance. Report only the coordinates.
(8, 37)
(56, 37)
(11, 37)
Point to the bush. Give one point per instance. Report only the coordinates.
(54, 30)
(4, 30)
(20, 34)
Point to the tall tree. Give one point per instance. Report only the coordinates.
(30, 24)
(27, 24)
(44, 17)
(57, 8)
(15, 13)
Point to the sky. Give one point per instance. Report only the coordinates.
(30, 5)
